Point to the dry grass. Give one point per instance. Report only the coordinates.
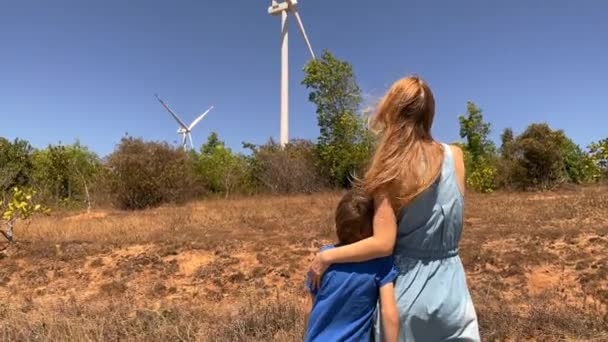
(233, 270)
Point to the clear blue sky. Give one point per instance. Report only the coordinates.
(89, 69)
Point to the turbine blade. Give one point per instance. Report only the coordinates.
(179, 121)
(191, 143)
(301, 26)
(184, 141)
(197, 120)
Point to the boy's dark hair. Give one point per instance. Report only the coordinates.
(354, 217)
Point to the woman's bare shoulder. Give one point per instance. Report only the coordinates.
(459, 166)
(457, 151)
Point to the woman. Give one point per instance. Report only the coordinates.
(418, 186)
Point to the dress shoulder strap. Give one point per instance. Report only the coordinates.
(448, 160)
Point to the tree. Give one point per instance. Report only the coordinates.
(213, 141)
(344, 144)
(221, 170)
(65, 172)
(540, 159)
(15, 165)
(476, 132)
(506, 149)
(479, 149)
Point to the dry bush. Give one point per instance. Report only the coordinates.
(542, 158)
(147, 174)
(292, 169)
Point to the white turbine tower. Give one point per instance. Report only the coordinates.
(284, 8)
(184, 130)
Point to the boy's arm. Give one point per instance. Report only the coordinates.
(389, 312)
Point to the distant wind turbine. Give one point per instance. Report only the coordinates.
(183, 129)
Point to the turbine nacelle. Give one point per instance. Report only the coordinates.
(276, 8)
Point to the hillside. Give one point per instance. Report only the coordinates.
(537, 266)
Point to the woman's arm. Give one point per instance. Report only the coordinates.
(379, 245)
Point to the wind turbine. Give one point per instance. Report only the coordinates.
(284, 8)
(184, 130)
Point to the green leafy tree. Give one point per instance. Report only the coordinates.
(476, 132)
(479, 149)
(65, 172)
(213, 141)
(15, 165)
(344, 144)
(221, 170)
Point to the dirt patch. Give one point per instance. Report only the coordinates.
(190, 261)
(544, 278)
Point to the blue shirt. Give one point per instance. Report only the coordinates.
(345, 303)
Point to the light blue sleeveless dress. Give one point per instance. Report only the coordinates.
(431, 290)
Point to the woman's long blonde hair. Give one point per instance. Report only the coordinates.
(406, 152)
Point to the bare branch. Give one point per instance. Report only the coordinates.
(8, 234)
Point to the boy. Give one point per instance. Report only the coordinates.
(343, 307)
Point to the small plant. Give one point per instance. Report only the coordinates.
(21, 205)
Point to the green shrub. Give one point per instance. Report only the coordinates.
(221, 170)
(578, 165)
(482, 178)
